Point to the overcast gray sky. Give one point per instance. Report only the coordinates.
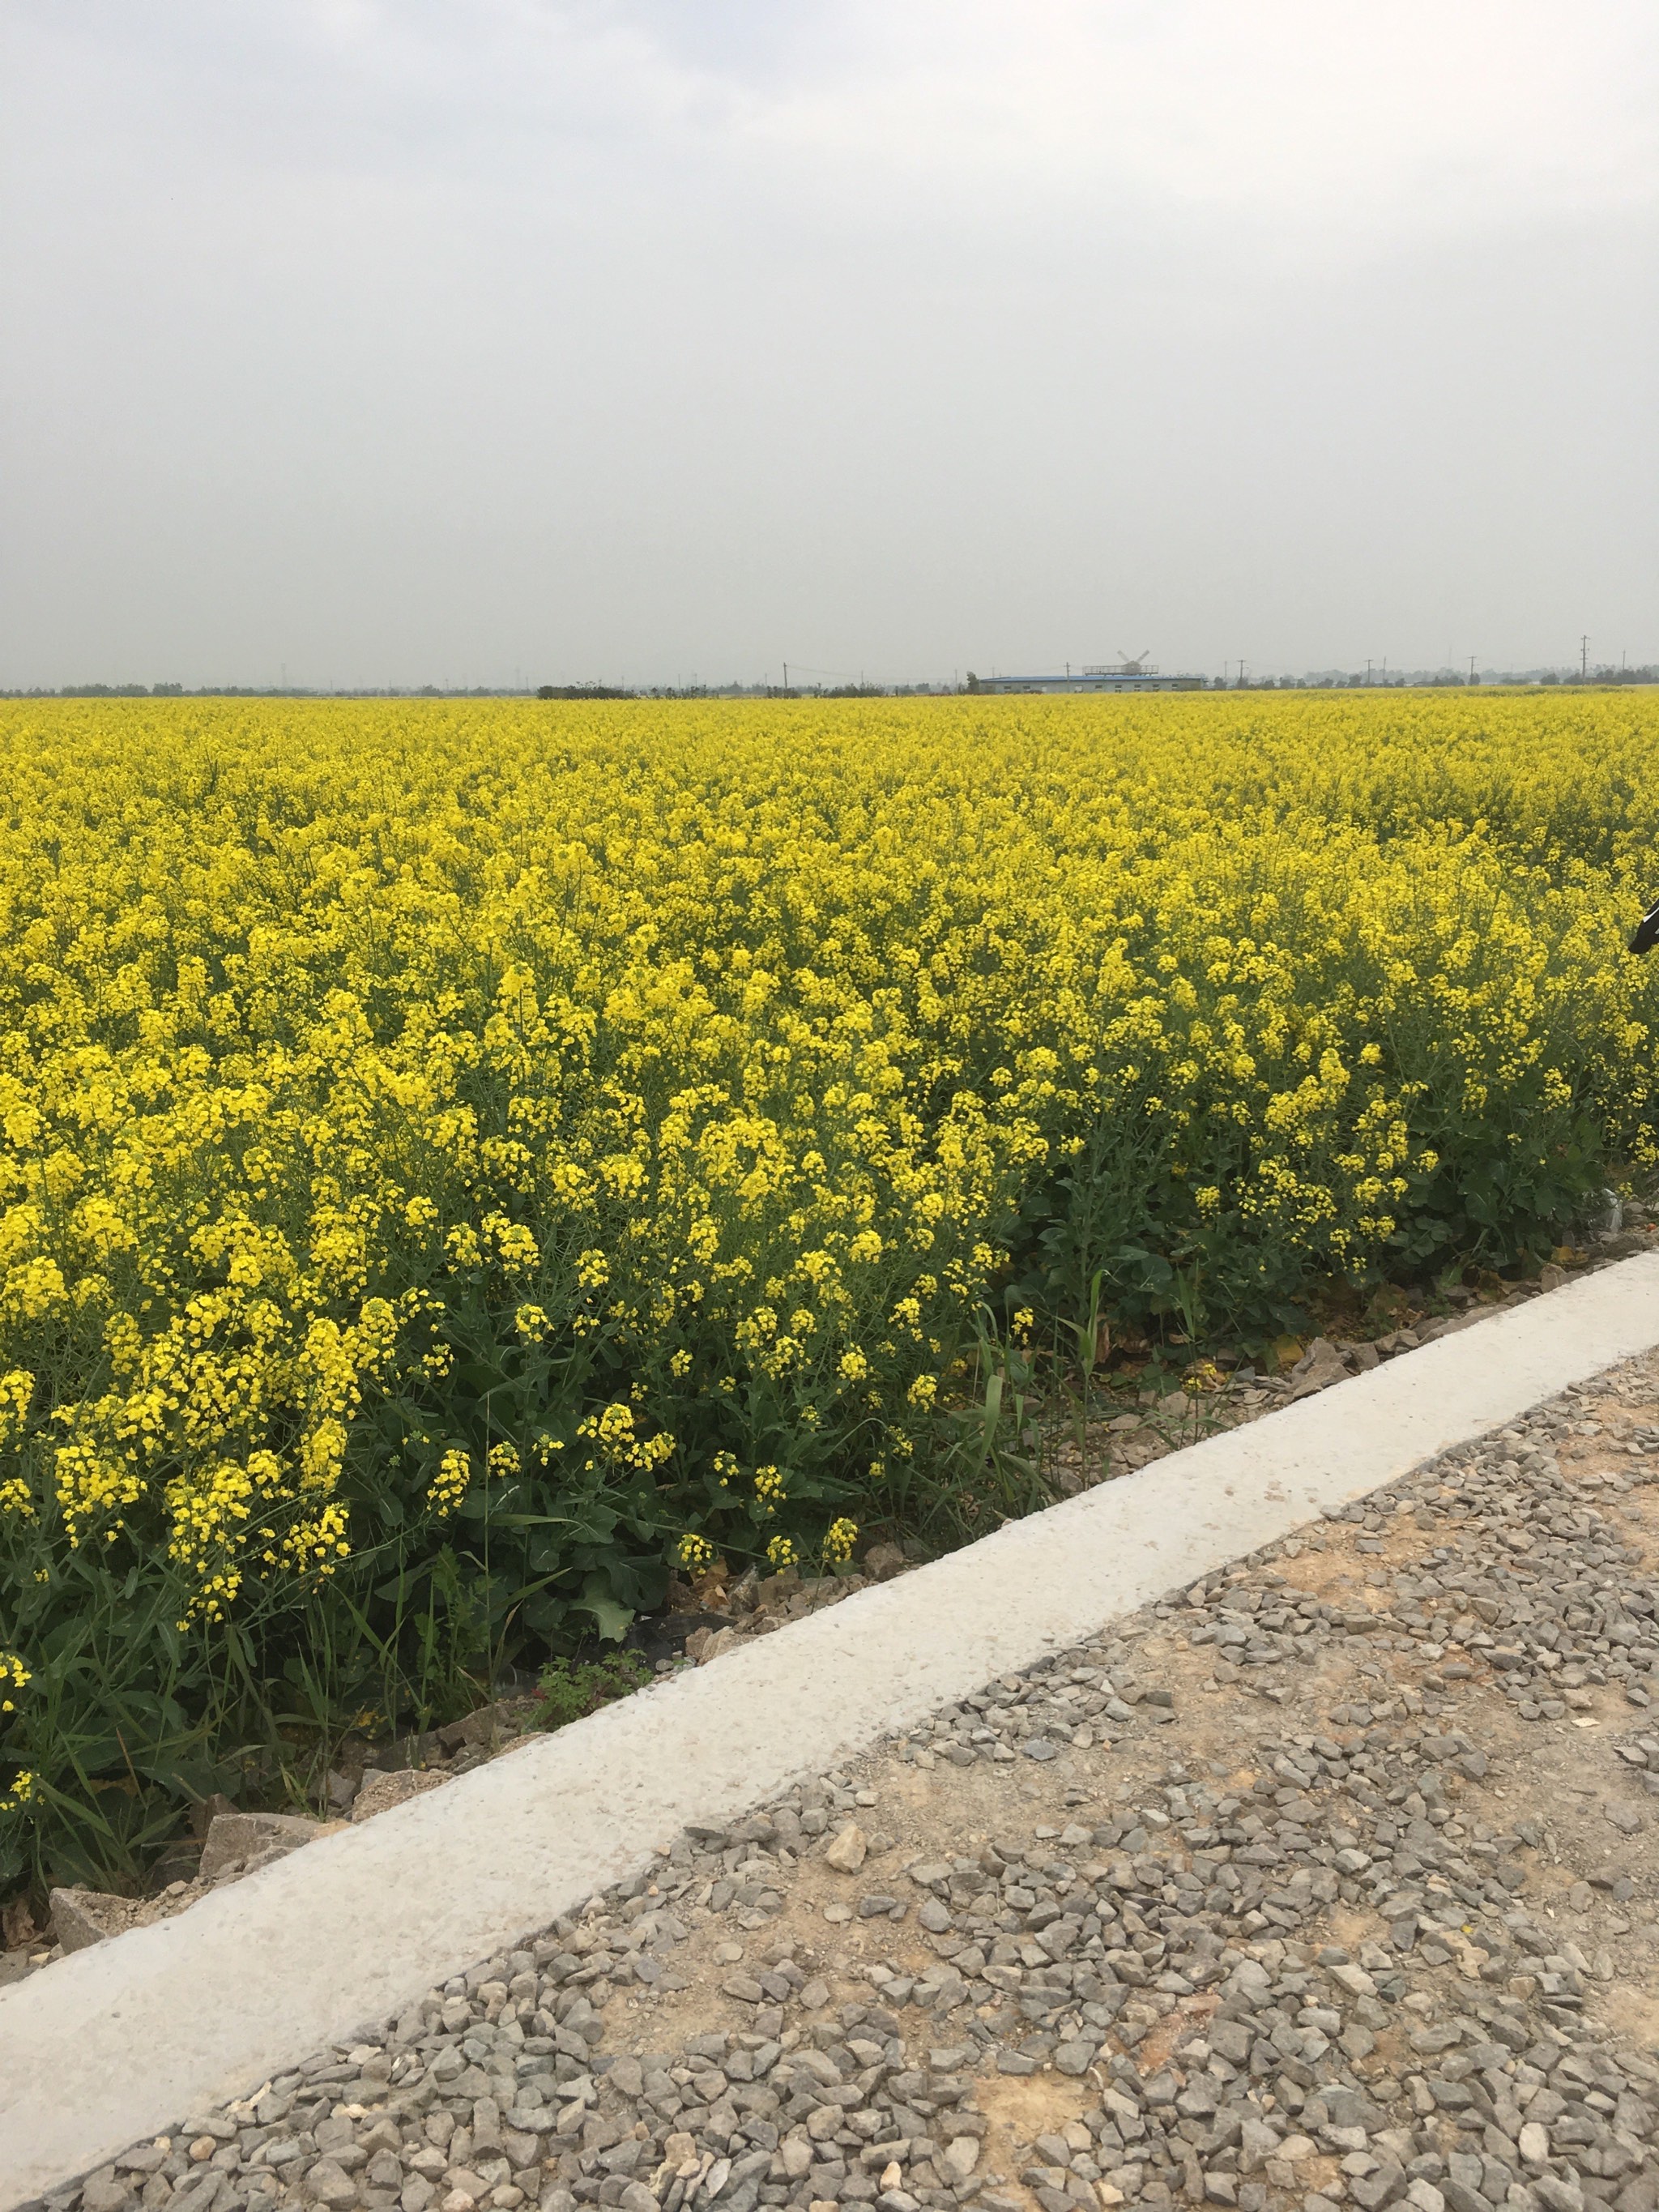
(408, 340)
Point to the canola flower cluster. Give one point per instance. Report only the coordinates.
(585, 1138)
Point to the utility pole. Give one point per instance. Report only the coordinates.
(1471, 668)
(786, 676)
(1584, 657)
(1368, 674)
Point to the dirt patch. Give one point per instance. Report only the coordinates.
(1016, 2111)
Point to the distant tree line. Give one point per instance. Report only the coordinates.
(1321, 680)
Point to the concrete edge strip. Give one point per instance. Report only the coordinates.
(147, 2029)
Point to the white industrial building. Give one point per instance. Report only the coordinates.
(1124, 676)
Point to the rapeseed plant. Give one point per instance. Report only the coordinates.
(460, 1161)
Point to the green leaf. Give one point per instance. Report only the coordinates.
(613, 1621)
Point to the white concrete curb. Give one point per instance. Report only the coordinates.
(117, 2041)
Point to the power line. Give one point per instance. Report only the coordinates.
(841, 674)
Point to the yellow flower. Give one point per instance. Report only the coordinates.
(17, 1390)
(838, 1544)
(22, 1789)
(449, 1485)
(615, 1426)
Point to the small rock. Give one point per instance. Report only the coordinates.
(206, 1810)
(339, 1789)
(1320, 1366)
(1379, 2186)
(705, 1643)
(1257, 2142)
(81, 1917)
(328, 2184)
(1557, 2194)
(381, 1789)
(106, 2194)
(849, 1850)
(236, 1836)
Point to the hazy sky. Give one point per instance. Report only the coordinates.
(408, 340)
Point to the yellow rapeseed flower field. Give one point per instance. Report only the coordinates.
(461, 1160)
